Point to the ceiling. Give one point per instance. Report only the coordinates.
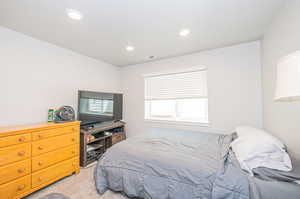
(151, 26)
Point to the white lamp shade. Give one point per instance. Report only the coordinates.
(288, 78)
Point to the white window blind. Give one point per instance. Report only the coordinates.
(176, 86)
(177, 97)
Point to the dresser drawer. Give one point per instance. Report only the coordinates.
(15, 188)
(48, 159)
(54, 172)
(38, 135)
(51, 144)
(14, 153)
(14, 171)
(15, 139)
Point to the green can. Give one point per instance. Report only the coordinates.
(50, 115)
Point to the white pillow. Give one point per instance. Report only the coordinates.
(245, 132)
(256, 148)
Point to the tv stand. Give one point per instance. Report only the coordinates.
(95, 139)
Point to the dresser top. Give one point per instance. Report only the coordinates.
(18, 129)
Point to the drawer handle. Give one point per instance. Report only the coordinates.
(22, 139)
(73, 129)
(21, 187)
(40, 148)
(40, 163)
(21, 170)
(73, 139)
(21, 153)
(73, 152)
(40, 136)
(40, 179)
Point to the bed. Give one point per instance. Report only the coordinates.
(181, 165)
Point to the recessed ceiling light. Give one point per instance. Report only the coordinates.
(74, 14)
(184, 32)
(129, 48)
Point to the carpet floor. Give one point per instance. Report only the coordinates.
(81, 186)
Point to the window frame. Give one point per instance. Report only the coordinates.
(182, 123)
(168, 120)
(175, 121)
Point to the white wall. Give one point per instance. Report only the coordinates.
(280, 39)
(234, 87)
(36, 75)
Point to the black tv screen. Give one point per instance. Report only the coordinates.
(99, 107)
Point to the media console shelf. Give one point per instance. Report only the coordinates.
(94, 141)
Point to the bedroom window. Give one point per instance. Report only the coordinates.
(178, 97)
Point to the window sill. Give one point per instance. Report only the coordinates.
(184, 123)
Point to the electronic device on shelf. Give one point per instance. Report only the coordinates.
(91, 126)
(96, 107)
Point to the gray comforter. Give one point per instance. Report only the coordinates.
(168, 164)
(172, 165)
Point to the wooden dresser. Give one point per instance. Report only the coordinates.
(36, 155)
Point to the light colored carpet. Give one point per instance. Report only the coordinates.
(81, 186)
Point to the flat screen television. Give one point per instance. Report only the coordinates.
(96, 107)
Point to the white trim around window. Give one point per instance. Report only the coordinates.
(181, 123)
(177, 98)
